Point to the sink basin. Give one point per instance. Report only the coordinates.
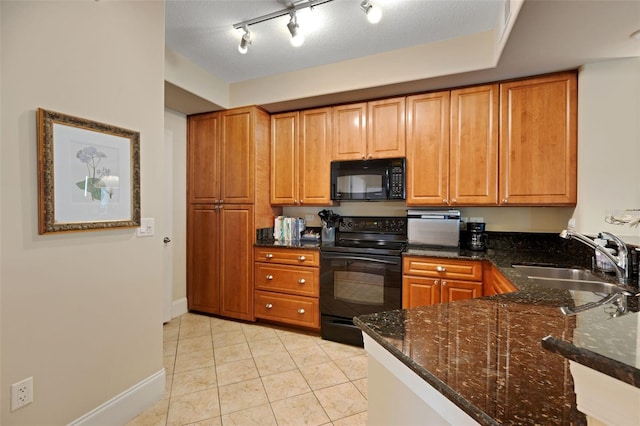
(556, 272)
(579, 285)
(567, 279)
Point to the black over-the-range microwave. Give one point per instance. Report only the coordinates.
(368, 180)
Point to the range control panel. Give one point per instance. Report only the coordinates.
(380, 225)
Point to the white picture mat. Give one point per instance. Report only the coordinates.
(71, 203)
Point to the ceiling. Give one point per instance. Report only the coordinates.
(548, 35)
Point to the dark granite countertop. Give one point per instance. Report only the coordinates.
(503, 359)
(298, 244)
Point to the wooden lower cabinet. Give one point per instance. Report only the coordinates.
(427, 281)
(287, 286)
(495, 282)
(219, 252)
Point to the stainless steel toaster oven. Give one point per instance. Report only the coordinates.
(434, 228)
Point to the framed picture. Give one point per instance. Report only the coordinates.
(88, 174)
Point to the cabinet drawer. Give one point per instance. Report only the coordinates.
(442, 268)
(300, 280)
(295, 310)
(287, 256)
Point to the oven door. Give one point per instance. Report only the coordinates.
(357, 284)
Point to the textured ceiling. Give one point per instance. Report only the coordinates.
(202, 31)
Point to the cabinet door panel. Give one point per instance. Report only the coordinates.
(453, 290)
(284, 154)
(236, 260)
(349, 132)
(386, 128)
(203, 278)
(538, 145)
(428, 149)
(237, 153)
(314, 159)
(203, 156)
(418, 291)
(474, 146)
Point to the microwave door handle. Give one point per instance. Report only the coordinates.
(386, 175)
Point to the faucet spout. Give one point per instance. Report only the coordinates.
(623, 272)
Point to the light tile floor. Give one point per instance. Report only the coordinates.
(223, 372)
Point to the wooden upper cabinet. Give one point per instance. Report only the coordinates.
(350, 132)
(386, 128)
(300, 157)
(473, 148)
(284, 158)
(538, 143)
(314, 157)
(237, 155)
(369, 130)
(203, 159)
(428, 149)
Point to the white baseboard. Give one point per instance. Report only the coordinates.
(179, 307)
(128, 404)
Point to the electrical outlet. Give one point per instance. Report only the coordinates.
(309, 217)
(21, 393)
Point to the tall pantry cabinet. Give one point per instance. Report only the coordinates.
(228, 199)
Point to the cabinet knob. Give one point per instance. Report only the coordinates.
(370, 155)
(454, 200)
(301, 311)
(441, 268)
(268, 255)
(301, 201)
(216, 201)
(302, 258)
(302, 281)
(444, 283)
(269, 277)
(444, 200)
(268, 306)
(436, 282)
(504, 201)
(221, 201)
(364, 157)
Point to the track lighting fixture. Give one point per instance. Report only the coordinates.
(374, 14)
(244, 41)
(296, 36)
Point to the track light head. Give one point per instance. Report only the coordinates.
(296, 37)
(245, 41)
(374, 13)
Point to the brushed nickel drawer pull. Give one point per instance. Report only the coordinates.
(269, 277)
(301, 311)
(302, 281)
(441, 268)
(268, 306)
(302, 258)
(268, 255)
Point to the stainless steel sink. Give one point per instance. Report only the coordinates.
(568, 279)
(556, 272)
(579, 285)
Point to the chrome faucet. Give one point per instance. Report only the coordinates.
(621, 261)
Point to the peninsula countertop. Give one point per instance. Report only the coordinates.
(486, 355)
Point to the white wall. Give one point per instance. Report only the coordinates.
(80, 312)
(609, 145)
(176, 123)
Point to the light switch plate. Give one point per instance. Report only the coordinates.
(147, 227)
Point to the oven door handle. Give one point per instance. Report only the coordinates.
(362, 258)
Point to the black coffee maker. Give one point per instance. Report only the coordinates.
(476, 237)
